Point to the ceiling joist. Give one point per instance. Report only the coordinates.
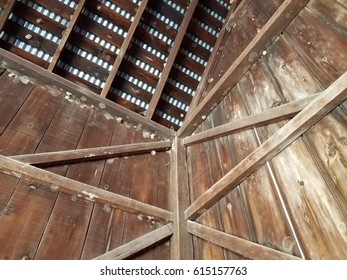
(6, 12)
(316, 110)
(276, 24)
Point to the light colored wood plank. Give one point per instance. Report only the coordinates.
(57, 182)
(123, 48)
(238, 245)
(137, 245)
(282, 112)
(6, 12)
(66, 35)
(181, 243)
(9, 60)
(90, 154)
(319, 107)
(276, 24)
(171, 59)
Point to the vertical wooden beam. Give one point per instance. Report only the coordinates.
(124, 48)
(66, 35)
(276, 24)
(320, 106)
(181, 243)
(171, 59)
(6, 12)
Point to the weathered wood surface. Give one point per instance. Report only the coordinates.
(91, 154)
(243, 247)
(137, 245)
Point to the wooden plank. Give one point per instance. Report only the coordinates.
(139, 244)
(6, 12)
(124, 48)
(318, 108)
(171, 58)
(13, 167)
(8, 185)
(12, 61)
(181, 243)
(275, 114)
(241, 246)
(90, 154)
(66, 35)
(276, 24)
(13, 93)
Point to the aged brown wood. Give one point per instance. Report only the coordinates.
(90, 154)
(123, 48)
(6, 12)
(181, 243)
(241, 246)
(10, 166)
(37, 73)
(67, 33)
(285, 111)
(139, 244)
(322, 105)
(276, 24)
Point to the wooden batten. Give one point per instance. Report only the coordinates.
(90, 154)
(276, 24)
(36, 73)
(318, 108)
(135, 246)
(90, 193)
(5, 14)
(238, 245)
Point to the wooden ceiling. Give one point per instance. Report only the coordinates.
(148, 55)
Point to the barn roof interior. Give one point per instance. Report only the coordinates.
(173, 129)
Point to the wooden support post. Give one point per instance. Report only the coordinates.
(87, 192)
(276, 24)
(171, 59)
(238, 245)
(181, 243)
(319, 107)
(90, 154)
(232, 17)
(66, 35)
(282, 112)
(6, 13)
(123, 48)
(137, 245)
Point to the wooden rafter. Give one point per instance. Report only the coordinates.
(282, 112)
(57, 182)
(6, 12)
(90, 154)
(319, 107)
(66, 35)
(276, 24)
(123, 48)
(137, 245)
(238, 245)
(181, 243)
(171, 59)
(11, 61)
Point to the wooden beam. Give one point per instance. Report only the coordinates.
(233, 16)
(238, 245)
(319, 107)
(182, 242)
(37, 74)
(6, 13)
(276, 24)
(171, 59)
(123, 48)
(282, 112)
(66, 35)
(90, 154)
(87, 192)
(135, 246)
